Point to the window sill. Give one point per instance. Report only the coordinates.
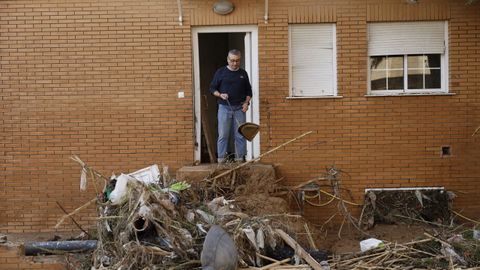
(410, 94)
(316, 97)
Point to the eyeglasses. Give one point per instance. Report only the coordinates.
(233, 60)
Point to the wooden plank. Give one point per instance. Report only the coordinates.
(207, 133)
(299, 250)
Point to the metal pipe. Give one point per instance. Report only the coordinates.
(180, 15)
(265, 17)
(53, 247)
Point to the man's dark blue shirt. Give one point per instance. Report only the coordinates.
(235, 83)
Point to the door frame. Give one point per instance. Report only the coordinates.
(251, 66)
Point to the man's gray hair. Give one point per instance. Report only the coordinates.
(235, 52)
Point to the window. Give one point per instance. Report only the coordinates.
(312, 60)
(407, 58)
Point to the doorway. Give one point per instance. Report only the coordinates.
(211, 45)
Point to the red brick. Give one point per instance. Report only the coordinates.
(74, 81)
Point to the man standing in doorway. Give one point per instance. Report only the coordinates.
(233, 90)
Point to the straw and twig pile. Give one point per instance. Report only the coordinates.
(459, 251)
(158, 227)
(163, 226)
(453, 248)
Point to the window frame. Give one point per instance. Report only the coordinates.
(334, 91)
(444, 74)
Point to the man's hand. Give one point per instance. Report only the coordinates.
(245, 107)
(246, 104)
(223, 96)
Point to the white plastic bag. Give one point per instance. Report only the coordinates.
(83, 179)
(118, 194)
(370, 243)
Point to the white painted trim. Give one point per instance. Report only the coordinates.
(404, 189)
(405, 74)
(196, 98)
(410, 94)
(334, 60)
(445, 61)
(290, 72)
(315, 97)
(415, 92)
(253, 148)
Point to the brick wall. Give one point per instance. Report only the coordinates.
(100, 79)
(94, 78)
(10, 258)
(377, 141)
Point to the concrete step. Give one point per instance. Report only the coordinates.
(198, 173)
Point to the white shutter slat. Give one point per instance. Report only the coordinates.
(312, 59)
(406, 38)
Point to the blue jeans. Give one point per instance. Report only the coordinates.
(227, 122)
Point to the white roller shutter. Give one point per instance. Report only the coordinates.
(406, 38)
(312, 59)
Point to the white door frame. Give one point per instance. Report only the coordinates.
(251, 66)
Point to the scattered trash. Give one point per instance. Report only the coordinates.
(449, 252)
(389, 206)
(476, 234)
(148, 175)
(370, 243)
(120, 192)
(219, 250)
(148, 220)
(83, 179)
(325, 265)
(177, 187)
(3, 238)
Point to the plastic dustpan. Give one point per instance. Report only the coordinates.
(248, 130)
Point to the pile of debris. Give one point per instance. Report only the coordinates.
(444, 245)
(147, 220)
(389, 206)
(458, 251)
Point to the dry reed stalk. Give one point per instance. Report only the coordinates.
(274, 264)
(266, 257)
(73, 220)
(309, 236)
(74, 212)
(185, 264)
(259, 157)
(292, 267)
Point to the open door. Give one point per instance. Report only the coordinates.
(211, 45)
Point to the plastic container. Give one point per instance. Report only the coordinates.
(370, 243)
